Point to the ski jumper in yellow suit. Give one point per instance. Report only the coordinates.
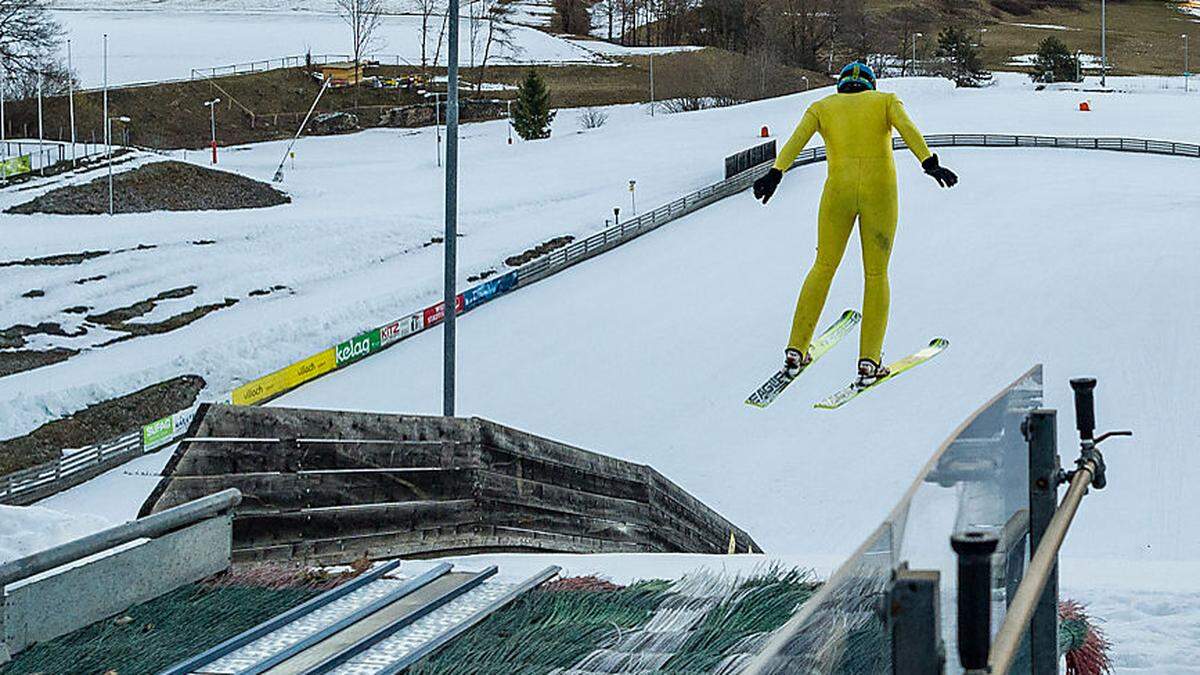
(857, 129)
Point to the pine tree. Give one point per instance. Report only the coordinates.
(531, 115)
(959, 59)
(1054, 62)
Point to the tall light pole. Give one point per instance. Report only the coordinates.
(914, 51)
(212, 108)
(1187, 73)
(3, 132)
(450, 294)
(71, 101)
(107, 138)
(1103, 43)
(108, 132)
(41, 133)
(652, 84)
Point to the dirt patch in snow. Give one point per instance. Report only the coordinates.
(99, 422)
(160, 186)
(121, 318)
(20, 360)
(538, 251)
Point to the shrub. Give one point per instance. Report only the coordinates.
(1054, 62)
(592, 118)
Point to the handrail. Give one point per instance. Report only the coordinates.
(1020, 611)
(625, 231)
(151, 526)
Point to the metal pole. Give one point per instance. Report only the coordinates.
(652, 84)
(108, 129)
(3, 131)
(41, 132)
(974, 551)
(213, 123)
(915, 623)
(71, 100)
(451, 252)
(437, 125)
(1103, 43)
(1041, 431)
(1186, 69)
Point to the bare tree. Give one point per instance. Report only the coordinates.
(427, 9)
(29, 41)
(437, 53)
(499, 33)
(363, 17)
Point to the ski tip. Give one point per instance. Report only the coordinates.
(940, 343)
(852, 314)
(755, 404)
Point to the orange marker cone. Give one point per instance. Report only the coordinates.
(765, 133)
(1084, 107)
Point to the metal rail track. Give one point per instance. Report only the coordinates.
(372, 624)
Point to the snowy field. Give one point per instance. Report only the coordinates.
(1054, 256)
(164, 45)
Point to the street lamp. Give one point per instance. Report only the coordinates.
(805, 78)
(108, 128)
(212, 107)
(981, 32)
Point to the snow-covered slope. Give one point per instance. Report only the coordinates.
(352, 247)
(1071, 259)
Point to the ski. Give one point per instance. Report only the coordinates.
(772, 388)
(852, 390)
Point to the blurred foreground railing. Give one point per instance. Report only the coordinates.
(910, 595)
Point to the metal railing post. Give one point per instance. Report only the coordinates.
(1044, 467)
(914, 622)
(974, 551)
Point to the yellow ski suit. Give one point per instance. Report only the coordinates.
(857, 128)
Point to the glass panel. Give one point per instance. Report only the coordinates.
(976, 480)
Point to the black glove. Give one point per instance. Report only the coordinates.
(765, 187)
(945, 177)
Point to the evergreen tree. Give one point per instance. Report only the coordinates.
(531, 115)
(959, 59)
(1054, 62)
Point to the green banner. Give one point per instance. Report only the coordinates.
(15, 166)
(358, 346)
(158, 431)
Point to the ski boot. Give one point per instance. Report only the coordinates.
(870, 372)
(795, 361)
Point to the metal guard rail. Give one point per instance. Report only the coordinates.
(618, 234)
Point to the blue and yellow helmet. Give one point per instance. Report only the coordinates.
(856, 76)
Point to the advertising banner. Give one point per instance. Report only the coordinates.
(357, 347)
(480, 294)
(15, 166)
(401, 328)
(285, 378)
(437, 313)
(163, 431)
